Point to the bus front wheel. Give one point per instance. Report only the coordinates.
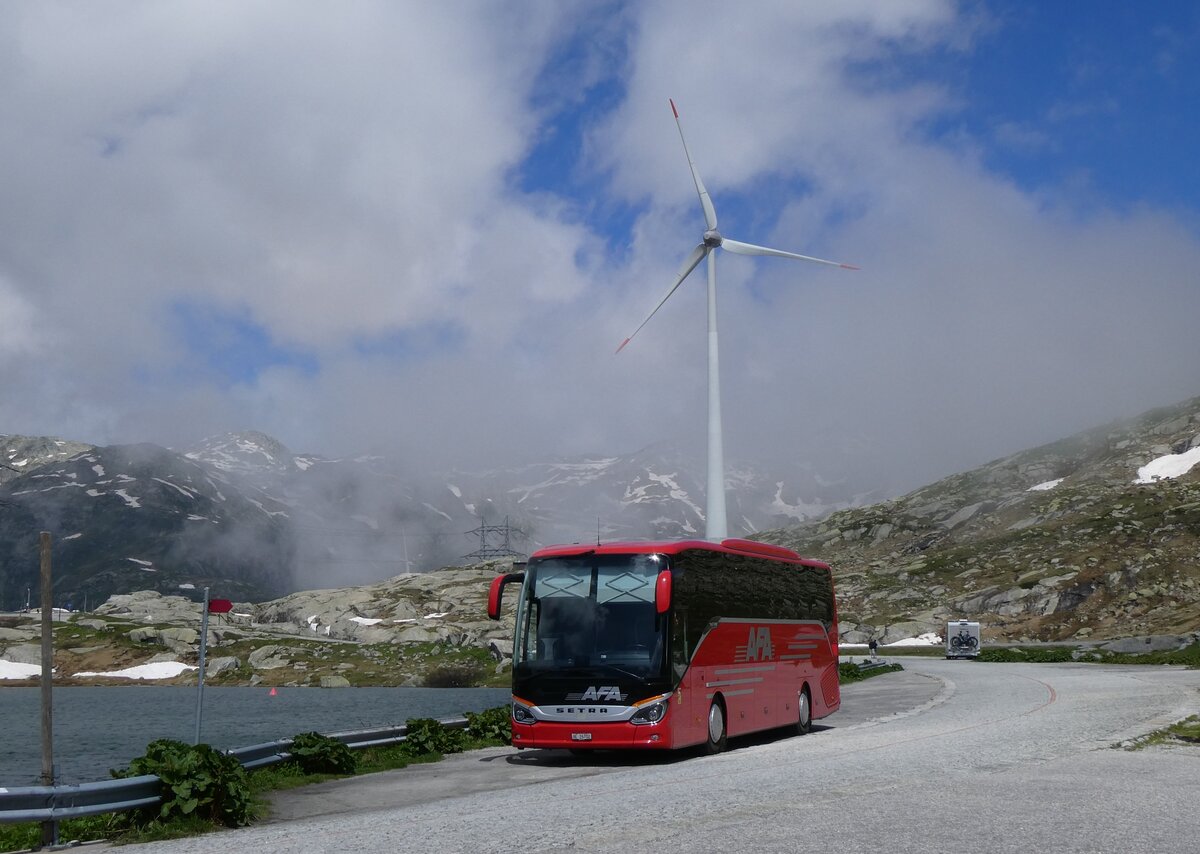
(804, 719)
(716, 727)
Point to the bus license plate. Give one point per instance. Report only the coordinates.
(581, 736)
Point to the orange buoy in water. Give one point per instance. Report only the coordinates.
(273, 693)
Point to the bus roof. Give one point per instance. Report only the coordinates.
(731, 545)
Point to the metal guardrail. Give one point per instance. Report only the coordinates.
(57, 803)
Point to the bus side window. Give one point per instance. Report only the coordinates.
(679, 644)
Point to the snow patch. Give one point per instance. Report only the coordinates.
(1169, 466)
(48, 488)
(571, 474)
(259, 505)
(129, 499)
(800, 511)
(636, 495)
(187, 493)
(16, 670)
(927, 639)
(366, 621)
(1045, 485)
(157, 670)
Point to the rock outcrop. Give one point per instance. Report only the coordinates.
(398, 631)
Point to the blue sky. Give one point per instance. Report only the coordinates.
(1061, 93)
(423, 231)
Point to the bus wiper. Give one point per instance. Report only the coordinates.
(620, 670)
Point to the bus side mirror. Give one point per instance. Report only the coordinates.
(662, 592)
(494, 595)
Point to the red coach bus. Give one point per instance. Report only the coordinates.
(669, 644)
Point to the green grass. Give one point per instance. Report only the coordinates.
(1189, 656)
(848, 673)
(1186, 731)
(19, 837)
(1040, 655)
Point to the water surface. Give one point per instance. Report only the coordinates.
(99, 728)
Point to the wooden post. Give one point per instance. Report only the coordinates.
(49, 828)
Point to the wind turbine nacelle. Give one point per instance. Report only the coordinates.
(712, 238)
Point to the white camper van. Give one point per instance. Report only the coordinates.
(962, 639)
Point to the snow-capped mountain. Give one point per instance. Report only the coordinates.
(655, 492)
(248, 454)
(242, 511)
(131, 517)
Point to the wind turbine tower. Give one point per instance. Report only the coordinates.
(716, 528)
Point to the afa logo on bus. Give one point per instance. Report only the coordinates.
(608, 693)
(758, 646)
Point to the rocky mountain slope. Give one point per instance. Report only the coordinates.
(133, 517)
(1080, 538)
(19, 454)
(244, 514)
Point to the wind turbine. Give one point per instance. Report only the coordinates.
(715, 521)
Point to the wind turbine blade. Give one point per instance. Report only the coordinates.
(740, 248)
(690, 264)
(710, 213)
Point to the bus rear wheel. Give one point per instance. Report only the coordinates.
(804, 718)
(716, 727)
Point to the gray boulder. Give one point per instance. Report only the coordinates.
(24, 653)
(500, 649)
(268, 658)
(220, 664)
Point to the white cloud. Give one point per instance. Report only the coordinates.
(348, 177)
(18, 332)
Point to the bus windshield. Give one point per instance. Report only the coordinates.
(591, 612)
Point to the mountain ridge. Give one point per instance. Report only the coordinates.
(243, 512)
(1053, 543)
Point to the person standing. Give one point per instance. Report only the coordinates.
(873, 645)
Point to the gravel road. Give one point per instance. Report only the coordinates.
(947, 756)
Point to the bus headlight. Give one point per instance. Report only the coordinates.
(652, 712)
(521, 714)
